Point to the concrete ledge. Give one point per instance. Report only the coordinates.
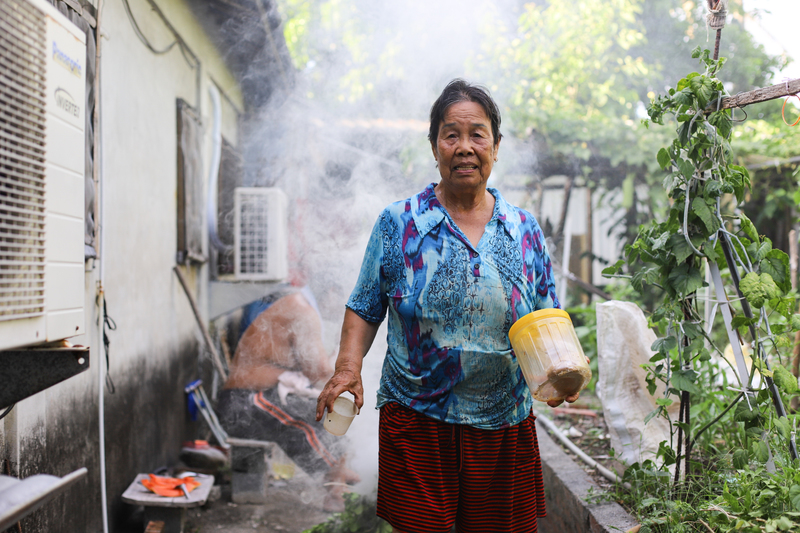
(566, 486)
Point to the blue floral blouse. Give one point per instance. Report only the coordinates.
(451, 305)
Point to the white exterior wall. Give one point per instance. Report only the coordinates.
(138, 127)
(139, 162)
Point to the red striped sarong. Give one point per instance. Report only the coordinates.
(433, 475)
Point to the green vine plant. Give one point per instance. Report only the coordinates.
(705, 230)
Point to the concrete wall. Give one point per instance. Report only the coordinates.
(156, 349)
(567, 488)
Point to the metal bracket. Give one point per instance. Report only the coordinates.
(23, 373)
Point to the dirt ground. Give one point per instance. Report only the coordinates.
(584, 424)
(295, 505)
(292, 506)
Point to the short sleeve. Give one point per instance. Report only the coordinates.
(368, 299)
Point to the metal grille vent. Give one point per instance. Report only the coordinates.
(253, 234)
(22, 159)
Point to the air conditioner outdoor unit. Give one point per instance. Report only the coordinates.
(42, 123)
(260, 242)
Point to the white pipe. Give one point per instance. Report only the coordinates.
(101, 409)
(213, 171)
(603, 471)
(101, 273)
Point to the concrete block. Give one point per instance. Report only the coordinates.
(173, 518)
(249, 475)
(566, 487)
(248, 488)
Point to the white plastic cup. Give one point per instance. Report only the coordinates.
(337, 421)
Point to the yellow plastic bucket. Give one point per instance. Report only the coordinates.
(549, 354)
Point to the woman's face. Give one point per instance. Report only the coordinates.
(465, 149)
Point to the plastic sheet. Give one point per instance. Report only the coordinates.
(623, 344)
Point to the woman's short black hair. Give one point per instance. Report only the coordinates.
(460, 90)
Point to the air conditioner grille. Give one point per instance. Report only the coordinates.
(253, 231)
(22, 159)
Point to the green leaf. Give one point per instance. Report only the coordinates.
(664, 344)
(645, 275)
(652, 414)
(748, 228)
(754, 432)
(706, 214)
(685, 280)
(714, 188)
(659, 242)
(613, 269)
(684, 380)
(679, 247)
(758, 289)
(783, 426)
(744, 414)
(784, 306)
(784, 379)
(794, 496)
(795, 322)
(776, 264)
(761, 451)
(692, 330)
(757, 251)
(740, 321)
(686, 168)
(722, 121)
(665, 402)
(740, 179)
(785, 524)
(684, 133)
(740, 459)
(703, 89)
(711, 251)
(663, 158)
(683, 97)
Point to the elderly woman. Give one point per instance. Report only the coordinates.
(456, 265)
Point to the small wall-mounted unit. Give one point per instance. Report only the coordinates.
(42, 123)
(260, 242)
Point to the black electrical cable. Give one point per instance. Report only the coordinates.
(187, 54)
(109, 323)
(141, 36)
(8, 410)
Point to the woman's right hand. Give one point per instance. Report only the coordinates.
(343, 379)
(357, 337)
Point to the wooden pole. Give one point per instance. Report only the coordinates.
(215, 358)
(590, 235)
(716, 43)
(559, 233)
(764, 94)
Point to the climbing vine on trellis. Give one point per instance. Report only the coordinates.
(704, 226)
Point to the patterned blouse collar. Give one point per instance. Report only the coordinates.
(428, 212)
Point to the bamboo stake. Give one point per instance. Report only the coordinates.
(215, 357)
